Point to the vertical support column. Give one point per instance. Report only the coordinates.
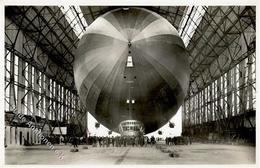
(30, 135)
(36, 96)
(203, 106)
(12, 100)
(188, 113)
(13, 130)
(69, 104)
(29, 95)
(24, 90)
(47, 102)
(223, 104)
(20, 89)
(206, 104)
(242, 71)
(53, 106)
(229, 93)
(250, 82)
(65, 104)
(24, 132)
(199, 107)
(218, 98)
(235, 89)
(11, 135)
(193, 110)
(60, 103)
(51, 100)
(43, 96)
(7, 135)
(189, 116)
(211, 102)
(18, 135)
(65, 116)
(57, 104)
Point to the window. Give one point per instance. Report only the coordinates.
(26, 74)
(16, 69)
(25, 110)
(7, 97)
(33, 75)
(7, 64)
(192, 18)
(75, 18)
(129, 61)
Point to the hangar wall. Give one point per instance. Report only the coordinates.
(33, 90)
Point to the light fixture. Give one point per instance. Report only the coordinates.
(133, 101)
(127, 101)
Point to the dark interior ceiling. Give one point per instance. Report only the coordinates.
(219, 28)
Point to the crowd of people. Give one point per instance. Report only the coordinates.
(117, 141)
(170, 141)
(178, 140)
(104, 141)
(121, 141)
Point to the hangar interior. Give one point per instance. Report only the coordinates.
(40, 43)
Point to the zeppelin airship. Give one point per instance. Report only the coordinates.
(131, 70)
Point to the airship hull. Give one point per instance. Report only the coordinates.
(149, 87)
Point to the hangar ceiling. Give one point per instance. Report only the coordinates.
(217, 38)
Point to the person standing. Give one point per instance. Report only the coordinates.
(113, 141)
(116, 140)
(148, 141)
(133, 141)
(124, 141)
(103, 141)
(120, 141)
(107, 141)
(145, 141)
(152, 140)
(74, 142)
(100, 141)
(136, 141)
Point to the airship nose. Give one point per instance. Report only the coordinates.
(131, 65)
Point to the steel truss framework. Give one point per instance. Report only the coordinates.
(223, 71)
(222, 44)
(49, 29)
(221, 41)
(31, 87)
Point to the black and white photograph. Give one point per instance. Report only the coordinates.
(129, 84)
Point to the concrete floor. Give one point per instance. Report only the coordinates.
(188, 154)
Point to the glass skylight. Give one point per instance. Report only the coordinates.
(75, 18)
(190, 22)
